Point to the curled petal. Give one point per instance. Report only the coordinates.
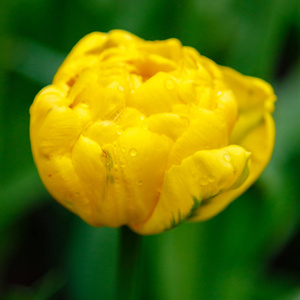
(200, 176)
(250, 92)
(138, 160)
(156, 95)
(59, 177)
(260, 142)
(58, 133)
(171, 125)
(87, 159)
(206, 131)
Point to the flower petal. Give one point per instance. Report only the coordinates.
(156, 95)
(48, 98)
(88, 162)
(58, 133)
(62, 182)
(171, 125)
(102, 132)
(200, 176)
(249, 91)
(134, 174)
(260, 142)
(206, 131)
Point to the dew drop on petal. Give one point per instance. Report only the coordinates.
(123, 149)
(140, 182)
(219, 93)
(227, 157)
(132, 152)
(211, 178)
(169, 84)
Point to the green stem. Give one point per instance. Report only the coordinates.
(129, 257)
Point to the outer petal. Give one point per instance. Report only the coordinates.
(255, 131)
(139, 160)
(58, 133)
(48, 98)
(261, 143)
(60, 179)
(123, 179)
(88, 162)
(249, 91)
(200, 176)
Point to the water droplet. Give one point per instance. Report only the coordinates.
(204, 180)
(122, 165)
(227, 157)
(121, 88)
(140, 182)
(169, 84)
(77, 194)
(142, 118)
(219, 93)
(133, 152)
(211, 178)
(123, 149)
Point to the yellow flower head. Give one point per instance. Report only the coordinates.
(149, 133)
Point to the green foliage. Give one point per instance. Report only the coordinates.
(240, 254)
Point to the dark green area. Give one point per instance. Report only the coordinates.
(250, 251)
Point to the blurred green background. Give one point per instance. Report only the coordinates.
(250, 251)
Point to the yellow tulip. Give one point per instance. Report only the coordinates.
(149, 133)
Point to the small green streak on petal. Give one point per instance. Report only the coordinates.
(196, 203)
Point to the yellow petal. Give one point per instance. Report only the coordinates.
(58, 133)
(93, 42)
(260, 142)
(156, 95)
(88, 161)
(103, 95)
(48, 98)
(249, 91)
(170, 49)
(134, 172)
(121, 37)
(206, 131)
(103, 132)
(254, 130)
(130, 117)
(68, 72)
(60, 179)
(171, 125)
(227, 107)
(200, 176)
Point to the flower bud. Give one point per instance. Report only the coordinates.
(149, 133)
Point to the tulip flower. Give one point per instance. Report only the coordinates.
(149, 134)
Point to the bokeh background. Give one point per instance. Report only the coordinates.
(250, 251)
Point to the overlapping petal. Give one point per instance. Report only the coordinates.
(201, 176)
(149, 134)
